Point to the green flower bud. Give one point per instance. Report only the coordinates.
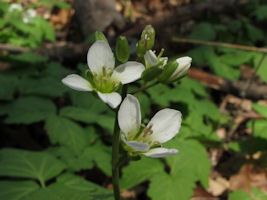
(151, 73)
(147, 40)
(122, 49)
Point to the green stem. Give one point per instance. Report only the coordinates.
(145, 87)
(115, 152)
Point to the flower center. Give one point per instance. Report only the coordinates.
(103, 81)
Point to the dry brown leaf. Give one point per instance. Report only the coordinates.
(201, 194)
(218, 185)
(249, 175)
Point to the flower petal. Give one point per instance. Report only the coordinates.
(165, 125)
(129, 116)
(137, 146)
(112, 99)
(160, 152)
(77, 82)
(128, 72)
(99, 56)
(150, 58)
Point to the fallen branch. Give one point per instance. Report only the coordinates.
(255, 91)
(219, 44)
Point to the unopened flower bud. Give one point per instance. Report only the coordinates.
(184, 64)
(147, 41)
(122, 49)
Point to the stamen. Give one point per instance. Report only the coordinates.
(160, 53)
(104, 71)
(148, 131)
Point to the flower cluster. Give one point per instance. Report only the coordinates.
(27, 15)
(104, 79)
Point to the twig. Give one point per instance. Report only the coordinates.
(219, 44)
(13, 49)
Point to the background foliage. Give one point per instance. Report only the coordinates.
(65, 152)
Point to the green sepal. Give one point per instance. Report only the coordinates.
(122, 49)
(90, 77)
(168, 70)
(151, 73)
(141, 49)
(135, 157)
(97, 36)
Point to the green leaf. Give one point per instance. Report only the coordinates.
(203, 31)
(100, 155)
(105, 120)
(241, 194)
(260, 13)
(255, 34)
(71, 187)
(236, 58)
(29, 57)
(15, 190)
(46, 86)
(8, 86)
(164, 186)
(260, 109)
(139, 171)
(28, 164)
(66, 132)
(27, 110)
(191, 152)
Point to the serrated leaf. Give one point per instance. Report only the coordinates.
(139, 171)
(27, 110)
(105, 120)
(164, 186)
(15, 190)
(190, 153)
(100, 155)
(28, 164)
(70, 187)
(66, 132)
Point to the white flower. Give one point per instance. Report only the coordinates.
(182, 69)
(147, 140)
(15, 7)
(28, 15)
(152, 60)
(105, 78)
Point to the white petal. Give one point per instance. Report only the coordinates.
(137, 146)
(184, 65)
(165, 125)
(129, 116)
(150, 58)
(112, 99)
(77, 82)
(99, 56)
(128, 72)
(160, 152)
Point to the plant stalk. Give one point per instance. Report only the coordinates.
(115, 151)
